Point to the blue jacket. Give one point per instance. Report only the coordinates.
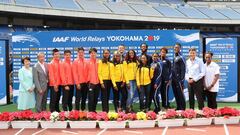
(166, 69)
(155, 66)
(179, 68)
(158, 74)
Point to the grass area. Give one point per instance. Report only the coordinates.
(13, 107)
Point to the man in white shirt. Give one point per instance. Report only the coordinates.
(211, 80)
(195, 71)
(40, 79)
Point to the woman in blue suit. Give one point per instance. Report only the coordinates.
(26, 98)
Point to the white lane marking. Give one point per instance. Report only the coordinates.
(19, 131)
(165, 131)
(69, 132)
(226, 129)
(39, 131)
(102, 131)
(134, 132)
(195, 129)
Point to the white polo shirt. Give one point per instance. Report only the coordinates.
(211, 70)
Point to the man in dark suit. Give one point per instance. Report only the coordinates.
(40, 79)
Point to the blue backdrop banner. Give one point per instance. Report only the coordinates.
(29, 44)
(226, 55)
(3, 86)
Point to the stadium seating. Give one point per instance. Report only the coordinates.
(145, 10)
(93, 6)
(138, 8)
(120, 8)
(169, 11)
(191, 12)
(37, 3)
(211, 13)
(64, 4)
(229, 13)
(6, 1)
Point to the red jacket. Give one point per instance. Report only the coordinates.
(66, 73)
(80, 71)
(93, 71)
(54, 73)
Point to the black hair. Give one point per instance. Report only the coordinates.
(165, 49)
(54, 51)
(67, 51)
(105, 60)
(25, 58)
(80, 49)
(128, 59)
(114, 61)
(178, 44)
(144, 44)
(92, 50)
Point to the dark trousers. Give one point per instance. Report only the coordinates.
(179, 94)
(93, 93)
(144, 94)
(116, 96)
(105, 94)
(151, 96)
(67, 98)
(54, 99)
(196, 88)
(211, 99)
(164, 89)
(81, 94)
(156, 99)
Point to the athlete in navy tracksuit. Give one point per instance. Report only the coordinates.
(155, 58)
(178, 76)
(163, 79)
(157, 85)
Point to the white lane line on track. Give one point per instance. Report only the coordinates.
(39, 131)
(134, 132)
(226, 129)
(165, 131)
(104, 130)
(69, 132)
(19, 131)
(195, 129)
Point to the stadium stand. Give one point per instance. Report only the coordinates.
(64, 4)
(120, 8)
(231, 14)
(191, 12)
(211, 13)
(6, 1)
(145, 10)
(36, 3)
(151, 8)
(93, 6)
(168, 11)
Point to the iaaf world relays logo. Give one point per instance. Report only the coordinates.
(107, 38)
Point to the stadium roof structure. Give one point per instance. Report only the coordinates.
(172, 11)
